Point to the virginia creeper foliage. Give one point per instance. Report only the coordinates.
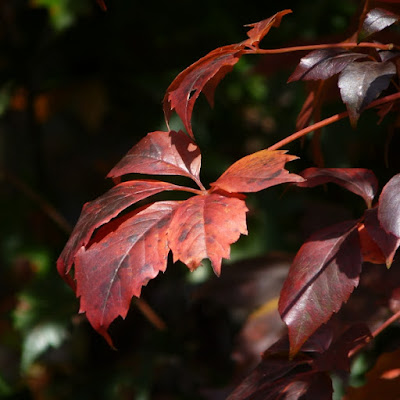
(115, 248)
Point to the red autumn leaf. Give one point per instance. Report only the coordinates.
(110, 272)
(162, 153)
(362, 82)
(389, 206)
(205, 226)
(98, 212)
(256, 172)
(205, 74)
(369, 249)
(322, 64)
(324, 273)
(357, 180)
(376, 20)
(387, 242)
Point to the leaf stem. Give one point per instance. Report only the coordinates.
(328, 121)
(344, 45)
(374, 334)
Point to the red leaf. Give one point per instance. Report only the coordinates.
(322, 64)
(162, 153)
(361, 83)
(323, 274)
(389, 206)
(206, 73)
(112, 271)
(357, 180)
(387, 242)
(376, 20)
(256, 172)
(369, 249)
(204, 227)
(103, 209)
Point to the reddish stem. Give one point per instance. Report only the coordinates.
(374, 334)
(328, 121)
(345, 45)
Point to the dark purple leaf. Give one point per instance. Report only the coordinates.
(389, 206)
(362, 82)
(322, 64)
(387, 242)
(376, 20)
(324, 273)
(357, 180)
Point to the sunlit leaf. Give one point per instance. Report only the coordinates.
(256, 172)
(205, 227)
(389, 206)
(376, 20)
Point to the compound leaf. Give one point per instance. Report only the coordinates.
(324, 272)
(256, 172)
(110, 272)
(205, 226)
(161, 153)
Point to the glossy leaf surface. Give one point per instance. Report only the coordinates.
(324, 272)
(110, 272)
(360, 181)
(376, 20)
(362, 82)
(322, 64)
(389, 206)
(205, 227)
(161, 153)
(256, 172)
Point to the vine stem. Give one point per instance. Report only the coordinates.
(328, 121)
(343, 45)
(374, 334)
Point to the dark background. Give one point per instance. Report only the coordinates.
(79, 86)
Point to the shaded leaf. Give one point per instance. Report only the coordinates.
(324, 272)
(389, 206)
(361, 83)
(322, 64)
(256, 172)
(357, 180)
(387, 242)
(110, 272)
(369, 249)
(101, 210)
(161, 153)
(204, 227)
(205, 74)
(376, 20)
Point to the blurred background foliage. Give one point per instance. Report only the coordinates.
(79, 86)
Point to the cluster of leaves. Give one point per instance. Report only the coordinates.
(115, 250)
